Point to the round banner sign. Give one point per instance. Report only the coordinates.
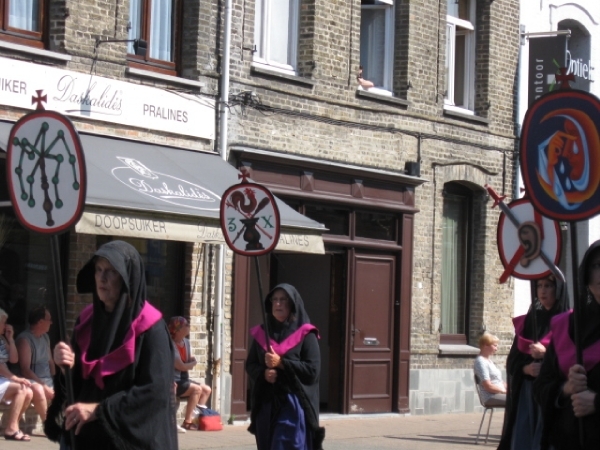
(560, 155)
(523, 248)
(250, 219)
(45, 169)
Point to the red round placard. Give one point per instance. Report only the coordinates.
(520, 247)
(45, 169)
(560, 155)
(250, 219)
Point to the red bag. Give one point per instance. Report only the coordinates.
(209, 423)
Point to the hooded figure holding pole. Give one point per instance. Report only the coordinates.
(285, 393)
(123, 389)
(565, 390)
(522, 419)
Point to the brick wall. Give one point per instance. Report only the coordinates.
(320, 115)
(454, 150)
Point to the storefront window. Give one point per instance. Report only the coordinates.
(376, 226)
(336, 220)
(163, 261)
(26, 276)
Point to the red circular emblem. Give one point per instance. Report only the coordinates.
(250, 219)
(45, 169)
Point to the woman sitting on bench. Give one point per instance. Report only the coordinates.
(13, 389)
(196, 394)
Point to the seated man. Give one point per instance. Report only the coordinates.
(33, 345)
(35, 361)
(197, 394)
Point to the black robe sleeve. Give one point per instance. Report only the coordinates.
(143, 416)
(139, 416)
(514, 370)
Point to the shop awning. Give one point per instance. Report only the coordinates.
(149, 191)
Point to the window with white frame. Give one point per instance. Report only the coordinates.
(460, 54)
(22, 21)
(377, 42)
(276, 33)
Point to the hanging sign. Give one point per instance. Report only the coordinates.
(560, 154)
(546, 55)
(46, 171)
(250, 218)
(527, 241)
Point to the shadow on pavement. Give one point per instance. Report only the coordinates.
(492, 439)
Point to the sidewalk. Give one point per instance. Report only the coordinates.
(366, 432)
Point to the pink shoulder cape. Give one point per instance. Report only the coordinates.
(524, 343)
(565, 347)
(288, 343)
(122, 356)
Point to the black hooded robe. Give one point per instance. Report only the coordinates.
(561, 427)
(517, 359)
(136, 403)
(301, 368)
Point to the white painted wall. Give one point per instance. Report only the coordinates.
(545, 15)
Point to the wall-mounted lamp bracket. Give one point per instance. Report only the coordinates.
(140, 46)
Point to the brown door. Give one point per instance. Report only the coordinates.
(370, 332)
(247, 313)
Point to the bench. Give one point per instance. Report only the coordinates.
(31, 425)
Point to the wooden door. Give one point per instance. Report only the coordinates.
(246, 314)
(370, 333)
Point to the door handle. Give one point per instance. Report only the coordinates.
(370, 341)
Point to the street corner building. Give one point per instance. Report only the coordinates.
(376, 124)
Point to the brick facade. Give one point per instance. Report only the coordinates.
(319, 114)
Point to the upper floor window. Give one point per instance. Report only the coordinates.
(460, 54)
(377, 42)
(22, 21)
(157, 23)
(456, 255)
(276, 33)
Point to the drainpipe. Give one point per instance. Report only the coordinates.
(218, 340)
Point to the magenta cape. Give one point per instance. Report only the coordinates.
(122, 356)
(524, 343)
(565, 347)
(288, 343)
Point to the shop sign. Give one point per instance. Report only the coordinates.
(546, 55)
(93, 97)
(183, 229)
(164, 187)
(581, 68)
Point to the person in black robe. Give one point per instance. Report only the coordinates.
(522, 420)
(285, 377)
(123, 389)
(565, 390)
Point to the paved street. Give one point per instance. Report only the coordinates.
(437, 432)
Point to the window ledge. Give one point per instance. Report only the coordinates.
(162, 77)
(457, 350)
(465, 116)
(255, 68)
(381, 97)
(34, 51)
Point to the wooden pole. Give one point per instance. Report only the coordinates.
(262, 305)
(62, 322)
(576, 311)
(533, 286)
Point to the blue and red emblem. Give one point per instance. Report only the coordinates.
(560, 155)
